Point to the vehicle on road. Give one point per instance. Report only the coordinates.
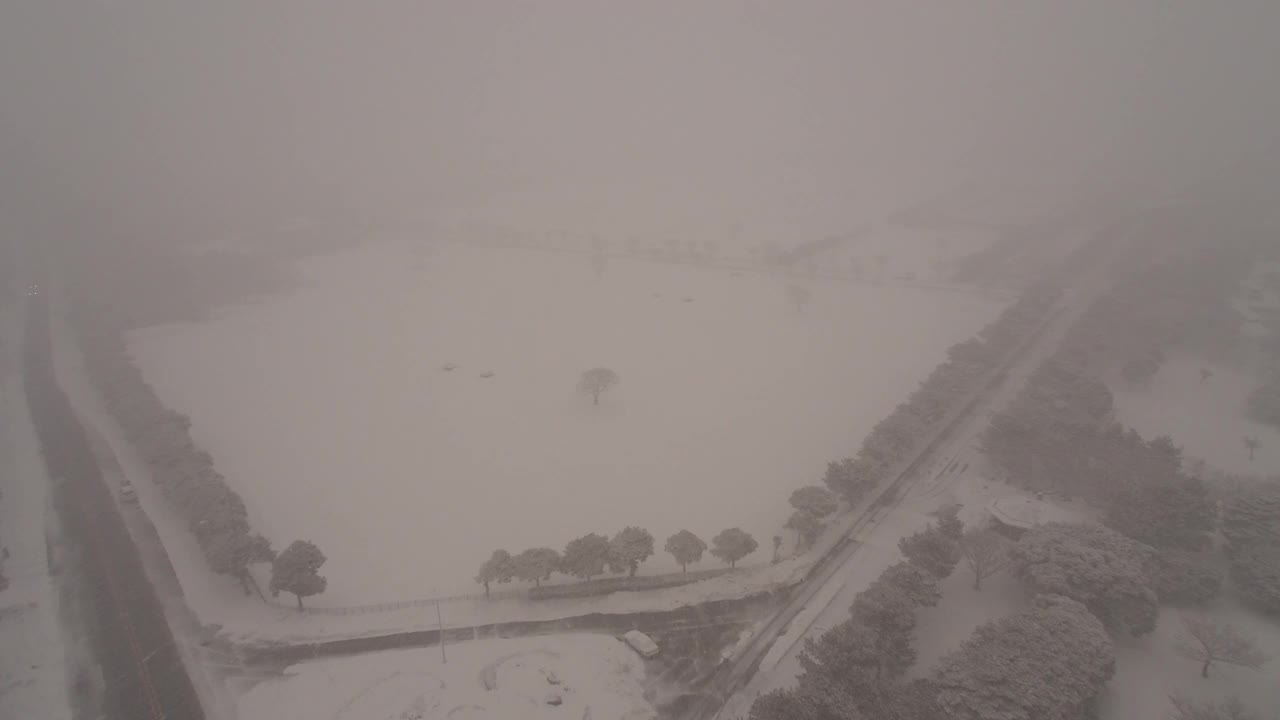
(641, 643)
(128, 494)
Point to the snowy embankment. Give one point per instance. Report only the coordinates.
(568, 676)
(33, 674)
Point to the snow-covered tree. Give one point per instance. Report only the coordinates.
(686, 548)
(296, 571)
(630, 547)
(985, 552)
(1050, 663)
(1094, 565)
(931, 550)
(814, 500)
(536, 565)
(499, 568)
(732, 545)
(585, 557)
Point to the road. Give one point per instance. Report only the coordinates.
(824, 599)
(142, 673)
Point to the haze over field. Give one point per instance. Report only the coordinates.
(678, 360)
(165, 122)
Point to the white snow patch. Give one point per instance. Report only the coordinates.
(1206, 419)
(588, 676)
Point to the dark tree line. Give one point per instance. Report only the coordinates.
(213, 512)
(589, 556)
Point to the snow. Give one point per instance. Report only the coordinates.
(593, 676)
(1149, 669)
(33, 667)
(327, 409)
(1207, 420)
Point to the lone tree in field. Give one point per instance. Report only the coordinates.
(732, 545)
(686, 548)
(630, 547)
(585, 557)
(296, 571)
(536, 564)
(500, 568)
(1250, 444)
(1208, 641)
(595, 381)
(985, 552)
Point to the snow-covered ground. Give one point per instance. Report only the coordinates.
(329, 409)
(1149, 669)
(34, 679)
(1207, 420)
(588, 676)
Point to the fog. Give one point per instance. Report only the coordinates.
(672, 360)
(179, 121)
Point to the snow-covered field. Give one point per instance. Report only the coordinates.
(1207, 420)
(587, 676)
(330, 411)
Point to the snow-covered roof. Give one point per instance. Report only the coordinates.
(1026, 512)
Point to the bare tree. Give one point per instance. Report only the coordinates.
(1231, 709)
(595, 381)
(1250, 444)
(985, 552)
(1208, 641)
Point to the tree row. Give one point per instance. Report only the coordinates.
(589, 556)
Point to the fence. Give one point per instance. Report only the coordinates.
(546, 592)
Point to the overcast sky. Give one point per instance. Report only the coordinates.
(174, 118)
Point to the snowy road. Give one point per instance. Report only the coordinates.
(142, 673)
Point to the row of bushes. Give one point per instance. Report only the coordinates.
(185, 473)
